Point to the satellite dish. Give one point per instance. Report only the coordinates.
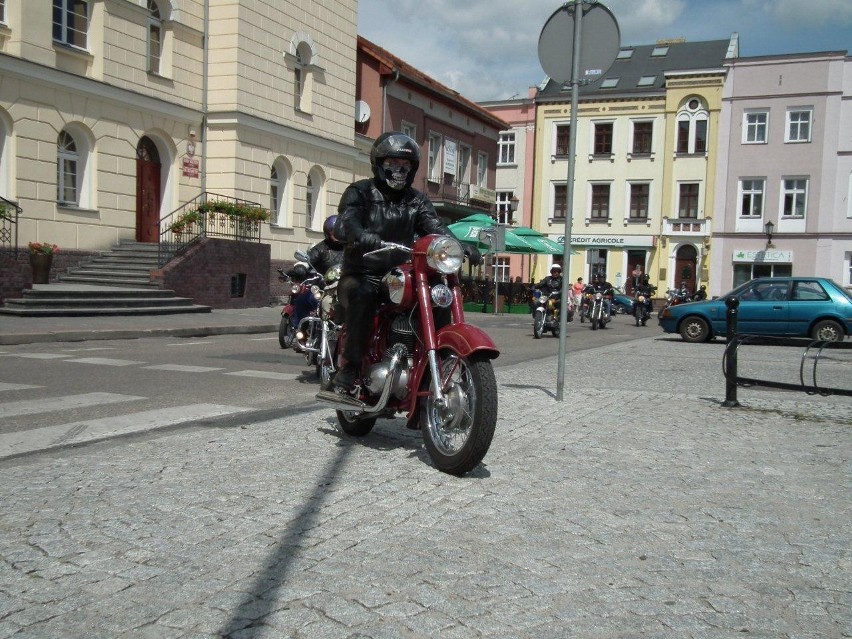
(362, 111)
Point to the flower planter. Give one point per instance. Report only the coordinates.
(40, 264)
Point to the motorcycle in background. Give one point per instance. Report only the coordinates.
(318, 333)
(598, 312)
(546, 313)
(302, 302)
(425, 361)
(676, 296)
(641, 308)
(585, 305)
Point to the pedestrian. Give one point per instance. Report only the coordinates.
(384, 208)
(577, 292)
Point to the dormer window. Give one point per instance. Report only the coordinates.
(610, 83)
(659, 52)
(646, 81)
(624, 54)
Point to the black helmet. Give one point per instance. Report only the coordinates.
(394, 145)
(328, 228)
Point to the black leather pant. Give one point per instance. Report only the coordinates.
(359, 295)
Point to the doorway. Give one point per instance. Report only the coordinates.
(635, 268)
(147, 191)
(686, 260)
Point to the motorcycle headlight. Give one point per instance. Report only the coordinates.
(294, 290)
(598, 296)
(333, 274)
(316, 292)
(445, 254)
(641, 298)
(442, 295)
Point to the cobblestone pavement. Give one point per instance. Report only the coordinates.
(636, 508)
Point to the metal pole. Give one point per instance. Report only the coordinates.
(731, 354)
(569, 196)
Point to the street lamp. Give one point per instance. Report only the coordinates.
(513, 206)
(769, 227)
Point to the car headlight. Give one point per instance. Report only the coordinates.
(445, 254)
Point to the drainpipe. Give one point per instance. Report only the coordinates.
(204, 88)
(385, 99)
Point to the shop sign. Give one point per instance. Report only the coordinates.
(615, 241)
(450, 154)
(763, 257)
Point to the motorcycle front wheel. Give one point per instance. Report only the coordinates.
(457, 435)
(286, 333)
(538, 324)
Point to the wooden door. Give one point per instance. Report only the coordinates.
(685, 263)
(147, 192)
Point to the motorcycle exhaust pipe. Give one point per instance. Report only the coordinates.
(398, 353)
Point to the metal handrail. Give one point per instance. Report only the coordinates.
(199, 218)
(9, 225)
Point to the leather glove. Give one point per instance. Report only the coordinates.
(473, 255)
(367, 242)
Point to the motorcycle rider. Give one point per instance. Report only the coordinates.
(552, 283)
(323, 255)
(647, 289)
(382, 208)
(599, 285)
(701, 294)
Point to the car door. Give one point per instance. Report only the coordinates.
(764, 308)
(808, 300)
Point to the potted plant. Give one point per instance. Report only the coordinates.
(41, 259)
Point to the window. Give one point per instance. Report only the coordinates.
(66, 170)
(504, 207)
(408, 129)
(692, 128)
(482, 168)
(798, 125)
(745, 272)
(809, 291)
(639, 195)
(600, 202)
(463, 172)
(560, 201)
(688, 200)
(624, 54)
(643, 135)
(658, 52)
(603, 138)
(2, 11)
(609, 83)
(646, 81)
(506, 148)
(155, 37)
(310, 200)
(501, 269)
(755, 127)
(314, 196)
(279, 193)
(751, 197)
(563, 139)
(274, 192)
(71, 22)
(794, 197)
(434, 168)
(303, 76)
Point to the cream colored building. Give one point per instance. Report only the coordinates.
(644, 163)
(114, 113)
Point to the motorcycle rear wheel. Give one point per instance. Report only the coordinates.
(458, 436)
(286, 333)
(355, 427)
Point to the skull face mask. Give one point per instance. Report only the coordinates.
(396, 172)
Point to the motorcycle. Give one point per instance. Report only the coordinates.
(585, 305)
(546, 313)
(598, 313)
(641, 308)
(676, 296)
(303, 301)
(317, 334)
(425, 361)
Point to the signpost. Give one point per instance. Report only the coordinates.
(564, 57)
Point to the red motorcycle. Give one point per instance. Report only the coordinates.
(425, 361)
(305, 291)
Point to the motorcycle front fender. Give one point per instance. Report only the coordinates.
(466, 339)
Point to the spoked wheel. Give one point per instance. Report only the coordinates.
(458, 432)
(286, 332)
(538, 324)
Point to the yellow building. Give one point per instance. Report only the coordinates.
(644, 163)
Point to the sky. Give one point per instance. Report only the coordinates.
(488, 49)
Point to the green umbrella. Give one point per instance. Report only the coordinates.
(470, 230)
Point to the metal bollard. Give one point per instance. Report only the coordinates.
(732, 303)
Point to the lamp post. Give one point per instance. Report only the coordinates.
(513, 206)
(769, 227)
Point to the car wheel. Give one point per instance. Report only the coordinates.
(694, 329)
(827, 331)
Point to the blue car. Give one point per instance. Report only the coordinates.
(815, 307)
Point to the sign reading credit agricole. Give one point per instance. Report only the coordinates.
(608, 240)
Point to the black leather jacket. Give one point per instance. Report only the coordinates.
(395, 216)
(323, 255)
(550, 284)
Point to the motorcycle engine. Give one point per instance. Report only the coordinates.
(402, 331)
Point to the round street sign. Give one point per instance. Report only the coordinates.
(599, 42)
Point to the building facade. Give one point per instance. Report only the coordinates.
(113, 113)
(785, 165)
(644, 168)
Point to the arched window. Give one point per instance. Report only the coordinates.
(692, 122)
(280, 201)
(315, 199)
(155, 38)
(68, 161)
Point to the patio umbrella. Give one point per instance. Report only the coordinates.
(470, 229)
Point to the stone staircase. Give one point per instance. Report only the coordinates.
(117, 282)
